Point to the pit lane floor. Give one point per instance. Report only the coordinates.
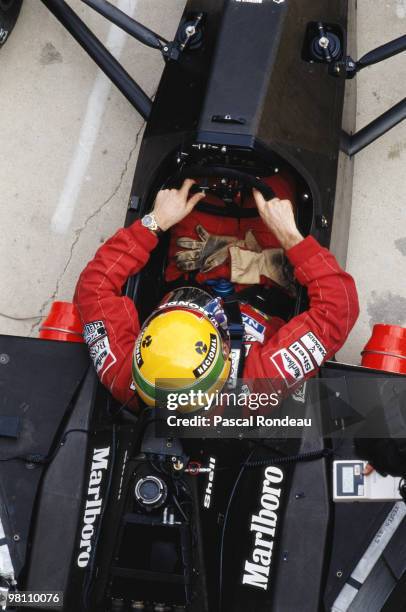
(69, 144)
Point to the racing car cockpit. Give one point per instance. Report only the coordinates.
(228, 208)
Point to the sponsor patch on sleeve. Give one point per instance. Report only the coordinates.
(314, 346)
(299, 394)
(303, 356)
(94, 331)
(288, 367)
(253, 330)
(95, 335)
(235, 356)
(101, 355)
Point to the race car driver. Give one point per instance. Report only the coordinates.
(287, 352)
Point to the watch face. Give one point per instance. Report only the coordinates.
(148, 220)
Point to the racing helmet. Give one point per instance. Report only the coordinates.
(183, 346)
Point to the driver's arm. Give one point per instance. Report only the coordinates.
(298, 349)
(110, 319)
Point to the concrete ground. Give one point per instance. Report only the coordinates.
(69, 144)
(377, 246)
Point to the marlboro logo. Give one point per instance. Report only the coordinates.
(264, 525)
(94, 503)
(288, 366)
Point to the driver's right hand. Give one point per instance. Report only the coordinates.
(173, 205)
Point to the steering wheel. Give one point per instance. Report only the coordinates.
(218, 171)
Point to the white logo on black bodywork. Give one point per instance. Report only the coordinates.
(94, 503)
(209, 487)
(263, 524)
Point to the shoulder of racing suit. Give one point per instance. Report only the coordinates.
(286, 352)
(299, 347)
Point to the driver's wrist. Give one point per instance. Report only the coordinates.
(163, 224)
(290, 239)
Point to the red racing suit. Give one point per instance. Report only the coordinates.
(287, 353)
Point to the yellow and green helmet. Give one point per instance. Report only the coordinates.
(183, 346)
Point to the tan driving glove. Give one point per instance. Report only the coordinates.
(250, 263)
(204, 254)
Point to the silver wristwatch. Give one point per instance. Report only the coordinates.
(150, 223)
